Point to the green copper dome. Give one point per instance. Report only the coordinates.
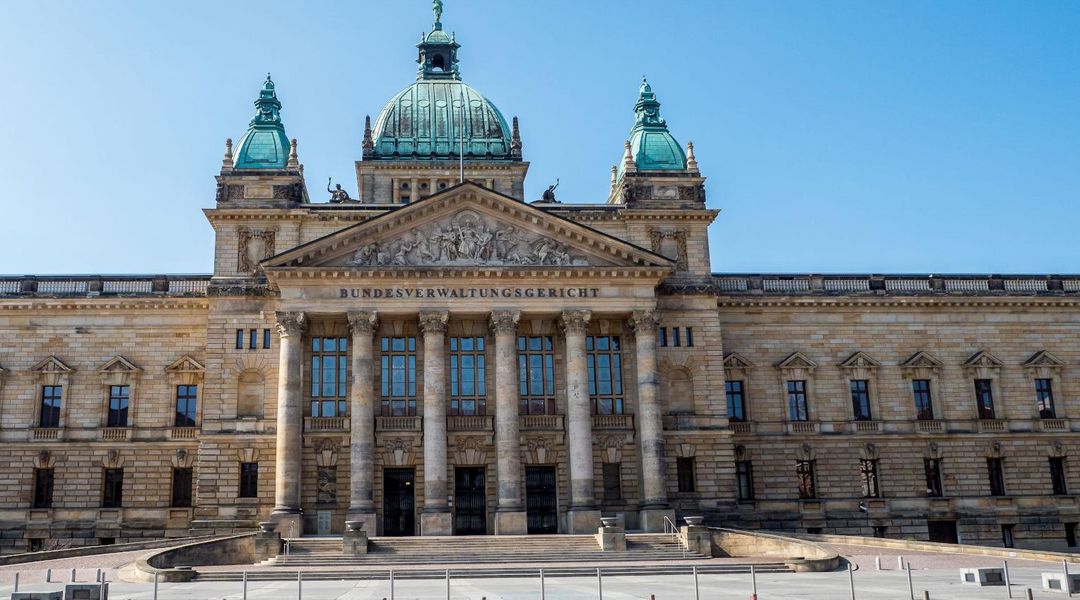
(438, 117)
(265, 145)
(651, 145)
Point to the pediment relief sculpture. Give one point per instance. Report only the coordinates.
(467, 238)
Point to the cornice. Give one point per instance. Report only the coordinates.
(724, 301)
(501, 272)
(110, 304)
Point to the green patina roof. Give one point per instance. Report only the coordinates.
(651, 145)
(265, 145)
(438, 114)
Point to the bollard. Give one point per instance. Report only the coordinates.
(97, 577)
(599, 584)
(697, 589)
(851, 580)
(48, 575)
(16, 582)
(910, 587)
(244, 595)
(877, 563)
(1068, 587)
(900, 562)
(299, 585)
(753, 583)
(448, 584)
(542, 595)
(155, 584)
(1029, 595)
(391, 584)
(73, 576)
(926, 595)
(1008, 585)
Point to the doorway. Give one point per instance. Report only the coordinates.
(470, 501)
(541, 504)
(399, 502)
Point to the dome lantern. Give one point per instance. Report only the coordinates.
(652, 147)
(265, 145)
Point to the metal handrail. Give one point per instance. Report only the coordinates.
(676, 534)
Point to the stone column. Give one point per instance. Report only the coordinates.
(362, 325)
(583, 516)
(654, 504)
(435, 518)
(290, 423)
(510, 517)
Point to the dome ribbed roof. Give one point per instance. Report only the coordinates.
(265, 145)
(651, 144)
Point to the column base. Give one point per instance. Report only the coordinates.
(436, 523)
(367, 517)
(289, 524)
(511, 522)
(582, 520)
(652, 519)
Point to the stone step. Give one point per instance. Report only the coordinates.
(382, 559)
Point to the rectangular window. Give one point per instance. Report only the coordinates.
(468, 395)
(112, 492)
(663, 337)
(35, 544)
(1007, 535)
(398, 376)
(984, 397)
(612, 482)
(266, 339)
(536, 375)
(804, 471)
(736, 401)
(684, 467)
(879, 531)
(43, 488)
(796, 394)
(181, 487)
(689, 337)
(744, 480)
(868, 475)
(119, 400)
(932, 466)
(239, 339)
(50, 405)
(1057, 476)
(185, 405)
(1044, 399)
(924, 404)
(860, 399)
(604, 362)
(249, 480)
(253, 338)
(675, 341)
(996, 472)
(329, 369)
(1070, 535)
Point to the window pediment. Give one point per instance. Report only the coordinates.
(52, 364)
(118, 371)
(982, 360)
(860, 360)
(921, 360)
(1041, 359)
(797, 360)
(733, 361)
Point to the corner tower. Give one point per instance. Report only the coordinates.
(437, 132)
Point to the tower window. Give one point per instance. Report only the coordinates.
(438, 63)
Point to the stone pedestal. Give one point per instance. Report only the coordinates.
(511, 522)
(610, 537)
(698, 539)
(436, 523)
(289, 525)
(652, 519)
(354, 540)
(267, 541)
(369, 521)
(582, 521)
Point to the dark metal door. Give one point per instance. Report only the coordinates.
(399, 502)
(540, 500)
(470, 511)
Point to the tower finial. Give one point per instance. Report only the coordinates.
(515, 139)
(294, 158)
(227, 160)
(369, 144)
(691, 160)
(628, 158)
(437, 8)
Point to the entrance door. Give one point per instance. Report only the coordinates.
(399, 502)
(470, 514)
(942, 531)
(540, 500)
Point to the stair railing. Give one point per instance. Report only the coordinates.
(676, 534)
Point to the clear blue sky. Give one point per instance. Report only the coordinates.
(837, 136)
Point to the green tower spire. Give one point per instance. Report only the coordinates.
(652, 146)
(265, 145)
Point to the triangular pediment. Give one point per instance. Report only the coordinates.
(185, 364)
(118, 364)
(736, 361)
(466, 227)
(982, 359)
(921, 359)
(52, 365)
(797, 360)
(860, 360)
(1042, 358)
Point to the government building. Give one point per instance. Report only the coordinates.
(443, 356)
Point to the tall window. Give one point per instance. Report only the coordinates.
(1044, 398)
(239, 339)
(605, 374)
(984, 397)
(467, 393)
(932, 466)
(868, 475)
(536, 375)
(253, 338)
(266, 339)
(43, 488)
(663, 336)
(50, 405)
(860, 399)
(689, 336)
(744, 480)
(1007, 539)
(185, 405)
(398, 370)
(112, 493)
(1057, 476)
(996, 471)
(612, 482)
(796, 396)
(804, 471)
(119, 399)
(684, 467)
(924, 404)
(329, 368)
(249, 480)
(181, 487)
(676, 339)
(736, 401)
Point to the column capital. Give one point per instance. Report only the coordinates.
(504, 321)
(434, 321)
(291, 323)
(363, 322)
(644, 321)
(574, 321)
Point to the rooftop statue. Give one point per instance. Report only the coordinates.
(337, 195)
(436, 7)
(549, 194)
